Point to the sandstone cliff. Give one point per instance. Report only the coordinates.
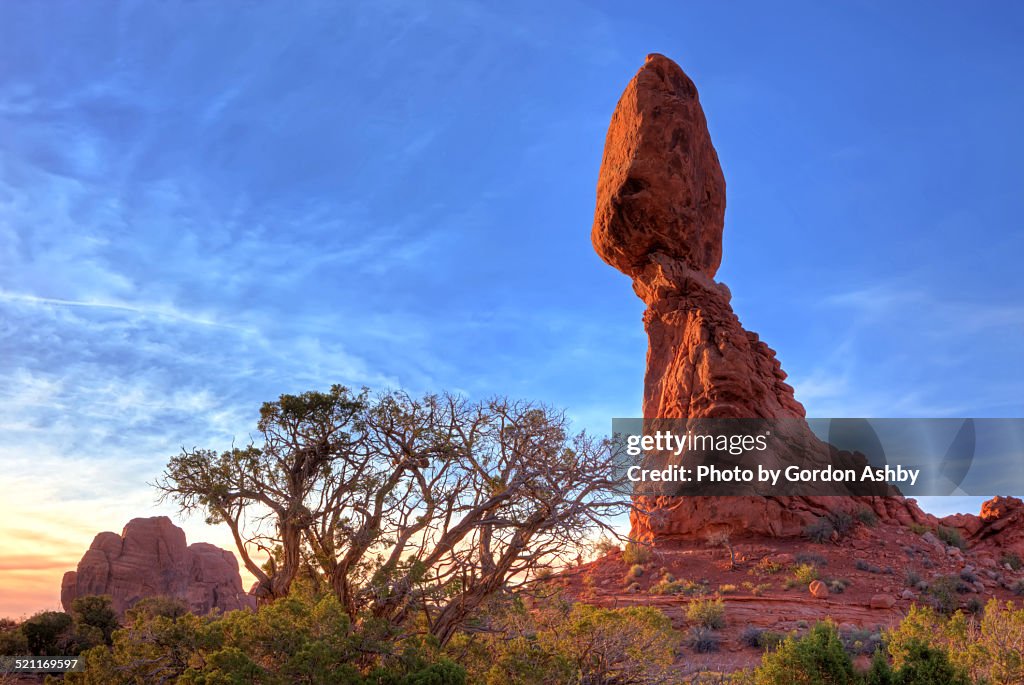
(150, 557)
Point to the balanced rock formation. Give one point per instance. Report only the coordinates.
(659, 219)
(150, 557)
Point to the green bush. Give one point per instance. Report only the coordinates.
(843, 522)
(805, 573)
(12, 640)
(880, 672)
(815, 659)
(927, 665)
(635, 553)
(867, 517)
(943, 594)
(96, 611)
(46, 632)
(951, 536)
(1010, 559)
(709, 613)
(820, 531)
(702, 640)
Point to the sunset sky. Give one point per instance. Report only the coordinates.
(204, 205)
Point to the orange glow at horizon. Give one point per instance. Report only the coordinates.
(42, 540)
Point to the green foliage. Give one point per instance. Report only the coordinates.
(951, 536)
(805, 573)
(96, 611)
(563, 645)
(702, 640)
(819, 531)
(709, 613)
(843, 522)
(761, 639)
(1012, 560)
(815, 659)
(912, 578)
(12, 640)
(614, 645)
(927, 665)
(296, 639)
(44, 632)
(635, 571)
(919, 529)
(768, 566)
(837, 586)
(867, 517)
(880, 672)
(635, 553)
(942, 594)
(151, 607)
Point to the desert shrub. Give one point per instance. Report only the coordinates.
(702, 640)
(12, 640)
(680, 586)
(635, 571)
(96, 611)
(811, 558)
(861, 641)
(863, 565)
(727, 589)
(818, 658)
(668, 587)
(805, 573)
(769, 639)
(1010, 559)
(160, 605)
(605, 546)
(843, 522)
(751, 636)
(634, 588)
(924, 664)
(758, 589)
(968, 576)
(880, 672)
(709, 613)
(45, 631)
(838, 585)
(950, 536)
(635, 553)
(942, 594)
(767, 567)
(974, 606)
(912, 578)
(867, 517)
(1017, 587)
(632, 645)
(919, 529)
(819, 531)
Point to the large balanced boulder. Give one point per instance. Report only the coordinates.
(151, 557)
(659, 219)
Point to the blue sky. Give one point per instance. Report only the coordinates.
(204, 205)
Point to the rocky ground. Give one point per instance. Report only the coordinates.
(866, 582)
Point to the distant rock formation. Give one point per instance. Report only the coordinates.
(998, 530)
(659, 219)
(150, 557)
